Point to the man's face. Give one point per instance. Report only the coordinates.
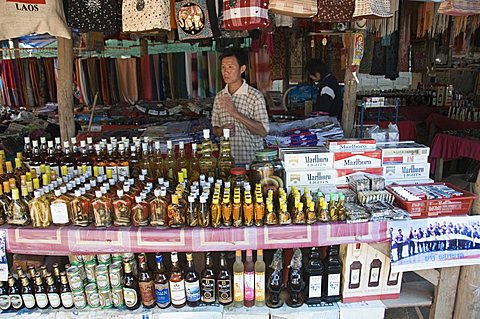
(316, 77)
(231, 70)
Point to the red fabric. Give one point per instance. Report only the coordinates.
(449, 147)
(443, 123)
(245, 15)
(146, 77)
(417, 113)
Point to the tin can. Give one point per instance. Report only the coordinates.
(115, 274)
(90, 271)
(92, 295)
(101, 274)
(74, 279)
(104, 259)
(89, 258)
(75, 258)
(105, 298)
(117, 258)
(79, 300)
(117, 297)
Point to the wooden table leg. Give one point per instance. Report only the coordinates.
(438, 169)
(445, 293)
(467, 303)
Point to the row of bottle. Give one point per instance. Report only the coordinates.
(128, 158)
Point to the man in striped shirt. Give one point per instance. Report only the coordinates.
(329, 97)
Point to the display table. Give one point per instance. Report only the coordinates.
(418, 113)
(447, 147)
(91, 240)
(439, 123)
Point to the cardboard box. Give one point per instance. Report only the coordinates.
(371, 309)
(311, 158)
(327, 311)
(351, 145)
(313, 178)
(392, 283)
(404, 152)
(354, 265)
(389, 182)
(407, 171)
(357, 159)
(344, 173)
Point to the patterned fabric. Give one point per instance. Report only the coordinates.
(460, 7)
(335, 11)
(93, 15)
(193, 21)
(245, 15)
(294, 8)
(145, 15)
(278, 60)
(251, 103)
(378, 60)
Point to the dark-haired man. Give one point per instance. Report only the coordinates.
(329, 97)
(240, 108)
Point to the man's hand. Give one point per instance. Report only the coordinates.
(231, 127)
(227, 103)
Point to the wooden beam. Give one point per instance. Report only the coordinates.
(467, 304)
(350, 93)
(64, 88)
(16, 45)
(432, 275)
(445, 292)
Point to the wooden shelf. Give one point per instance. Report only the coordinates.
(413, 294)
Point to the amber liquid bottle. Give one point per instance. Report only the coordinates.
(27, 293)
(177, 284)
(224, 282)
(192, 283)
(146, 284)
(131, 293)
(40, 292)
(5, 303)
(53, 293)
(208, 295)
(162, 290)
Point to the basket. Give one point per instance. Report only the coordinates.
(436, 207)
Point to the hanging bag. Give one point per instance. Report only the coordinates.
(460, 7)
(372, 9)
(145, 15)
(294, 8)
(245, 14)
(335, 11)
(192, 19)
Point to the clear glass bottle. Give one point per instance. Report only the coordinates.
(159, 208)
(39, 209)
(259, 209)
(248, 210)
(102, 210)
(171, 165)
(122, 209)
(194, 169)
(227, 209)
(238, 280)
(249, 280)
(267, 170)
(193, 212)
(208, 163)
(216, 212)
(175, 219)
(60, 209)
(140, 212)
(18, 213)
(260, 269)
(225, 161)
(204, 213)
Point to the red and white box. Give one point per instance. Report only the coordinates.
(303, 157)
(344, 173)
(357, 159)
(351, 145)
(404, 153)
(312, 178)
(407, 171)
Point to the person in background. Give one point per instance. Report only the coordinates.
(240, 108)
(329, 97)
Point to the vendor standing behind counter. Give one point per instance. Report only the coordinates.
(240, 108)
(329, 97)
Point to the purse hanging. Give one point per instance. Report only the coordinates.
(245, 14)
(145, 15)
(192, 20)
(372, 9)
(335, 11)
(294, 8)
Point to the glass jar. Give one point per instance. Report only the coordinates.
(238, 177)
(267, 170)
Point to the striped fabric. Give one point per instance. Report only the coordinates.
(245, 15)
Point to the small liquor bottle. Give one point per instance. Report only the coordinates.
(122, 209)
(65, 292)
(314, 272)
(159, 208)
(375, 272)
(27, 293)
(259, 209)
(237, 211)
(40, 292)
(18, 213)
(259, 280)
(53, 293)
(331, 280)
(5, 302)
(39, 209)
(224, 282)
(203, 213)
(60, 209)
(249, 281)
(102, 210)
(175, 219)
(248, 210)
(146, 284)
(14, 293)
(192, 283)
(131, 292)
(177, 284)
(208, 295)
(162, 290)
(227, 210)
(238, 282)
(216, 212)
(355, 268)
(140, 212)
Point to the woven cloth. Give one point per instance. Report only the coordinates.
(294, 8)
(245, 15)
(372, 9)
(460, 7)
(335, 10)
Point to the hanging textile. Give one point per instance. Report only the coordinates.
(460, 7)
(158, 69)
(378, 60)
(297, 54)
(386, 26)
(391, 58)
(192, 18)
(212, 67)
(28, 83)
(127, 80)
(263, 74)
(202, 83)
(194, 69)
(404, 36)
(335, 11)
(104, 81)
(93, 77)
(179, 75)
(94, 15)
(147, 76)
(278, 59)
(366, 64)
(372, 9)
(426, 12)
(188, 74)
(245, 15)
(145, 15)
(294, 8)
(441, 23)
(39, 16)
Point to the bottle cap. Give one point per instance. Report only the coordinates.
(138, 199)
(206, 133)
(78, 193)
(203, 199)
(174, 257)
(189, 256)
(181, 145)
(35, 143)
(226, 133)
(57, 192)
(158, 258)
(98, 194)
(169, 145)
(120, 192)
(37, 194)
(191, 199)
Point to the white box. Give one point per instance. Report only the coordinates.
(389, 182)
(357, 159)
(351, 145)
(311, 158)
(407, 171)
(310, 178)
(324, 311)
(404, 153)
(368, 309)
(344, 173)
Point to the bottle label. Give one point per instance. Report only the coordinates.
(208, 290)
(67, 299)
(79, 300)
(56, 169)
(333, 285)
(93, 299)
(101, 170)
(114, 170)
(162, 294)
(147, 292)
(28, 300)
(315, 287)
(177, 291)
(238, 286)
(16, 300)
(259, 286)
(4, 302)
(130, 296)
(193, 291)
(224, 291)
(249, 279)
(393, 276)
(42, 300)
(59, 213)
(123, 171)
(375, 274)
(355, 277)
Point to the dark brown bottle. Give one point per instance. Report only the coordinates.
(375, 271)
(131, 293)
(177, 283)
(192, 283)
(313, 276)
(162, 290)
(14, 292)
(40, 292)
(53, 292)
(5, 303)
(208, 285)
(56, 274)
(36, 159)
(31, 271)
(224, 282)
(27, 293)
(145, 283)
(43, 271)
(332, 278)
(65, 292)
